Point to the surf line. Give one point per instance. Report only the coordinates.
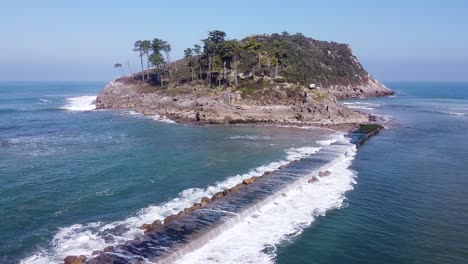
(168, 240)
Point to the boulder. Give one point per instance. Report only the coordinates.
(194, 207)
(74, 259)
(180, 214)
(217, 196)
(205, 201)
(324, 173)
(107, 249)
(237, 187)
(170, 219)
(225, 192)
(248, 181)
(96, 252)
(312, 180)
(155, 226)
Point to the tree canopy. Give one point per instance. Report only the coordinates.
(222, 61)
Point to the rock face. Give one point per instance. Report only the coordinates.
(370, 88)
(204, 105)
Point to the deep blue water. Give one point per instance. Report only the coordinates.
(410, 204)
(72, 181)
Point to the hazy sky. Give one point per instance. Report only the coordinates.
(81, 40)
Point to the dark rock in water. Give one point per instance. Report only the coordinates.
(96, 252)
(74, 259)
(248, 181)
(156, 225)
(109, 248)
(312, 180)
(217, 196)
(324, 173)
(205, 201)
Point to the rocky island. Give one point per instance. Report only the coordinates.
(278, 78)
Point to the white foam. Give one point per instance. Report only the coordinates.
(83, 239)
(333, 139)
(163, 119)
(254, 240)
(81, 103)
(360, 107)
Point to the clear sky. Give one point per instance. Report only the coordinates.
(81, 40)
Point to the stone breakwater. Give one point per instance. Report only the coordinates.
(210, 106)
(166, 241)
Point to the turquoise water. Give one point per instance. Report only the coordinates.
(74, 180)
(67, 174)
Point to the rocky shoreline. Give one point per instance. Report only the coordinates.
(285, 104)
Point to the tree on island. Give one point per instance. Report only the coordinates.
(138, 47)
(118, 65)
(211, 48)
(146, 48)
(188, 54)
(197, 49)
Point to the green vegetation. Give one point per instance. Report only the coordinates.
(369, 128)
(275, 59)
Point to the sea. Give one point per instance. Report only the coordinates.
(74, 179)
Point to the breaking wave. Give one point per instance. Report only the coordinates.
(82, 239)
(255, 239)
(81, 103)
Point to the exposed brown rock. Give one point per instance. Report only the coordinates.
(312, 180)
(74, 259)
(145, 226)
(180, 214)
(248, 181)
(205, 201)
(217, 196)
(324, 173)
(107, 249)
(320, 109)
(170, 219)
(225, 192)
(96, 252)
(237, 187)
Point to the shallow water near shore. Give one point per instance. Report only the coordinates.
(75, 180)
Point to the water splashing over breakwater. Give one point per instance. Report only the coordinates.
(191, 232)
